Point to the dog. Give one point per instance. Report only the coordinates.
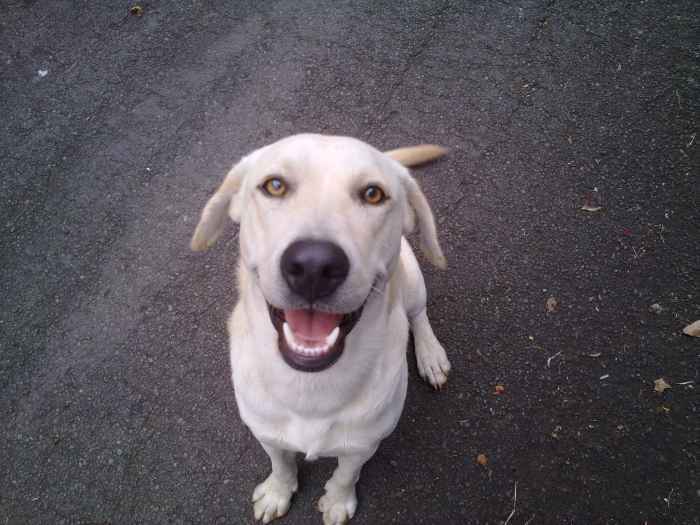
(328, 289)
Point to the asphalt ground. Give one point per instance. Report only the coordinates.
(116, 401)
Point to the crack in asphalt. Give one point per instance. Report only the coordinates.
(409, 63)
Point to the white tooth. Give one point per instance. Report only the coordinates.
(298, 347)
(332, 337)
(289, 336)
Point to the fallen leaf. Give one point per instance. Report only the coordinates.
(693, 329)
(552, 304)
(587, 207)
(500, 389)
(136, 10)
(482, 460)
(660, 385)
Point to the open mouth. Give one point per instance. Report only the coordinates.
(310, 340)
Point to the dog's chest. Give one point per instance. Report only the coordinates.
(321, 437)
(329, 419)
(358, 426)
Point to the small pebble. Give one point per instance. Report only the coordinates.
(656, 308)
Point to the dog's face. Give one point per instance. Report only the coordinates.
(321, 220)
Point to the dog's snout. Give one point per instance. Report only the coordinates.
(314, 269)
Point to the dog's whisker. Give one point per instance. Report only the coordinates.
(377, 290)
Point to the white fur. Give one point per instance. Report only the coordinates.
(345, 410)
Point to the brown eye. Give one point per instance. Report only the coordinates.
(373, 195)
(274, 187)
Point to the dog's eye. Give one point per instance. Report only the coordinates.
(274, 187)
(373, 195)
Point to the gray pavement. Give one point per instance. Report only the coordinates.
(115, 402)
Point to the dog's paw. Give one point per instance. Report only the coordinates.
(433, 365)
(271, 499)
(338, 505)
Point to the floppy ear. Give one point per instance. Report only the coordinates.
(213, 218)
(419, 212)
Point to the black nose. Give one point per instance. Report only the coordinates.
(314, 269)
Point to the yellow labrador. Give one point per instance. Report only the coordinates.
(328, 288)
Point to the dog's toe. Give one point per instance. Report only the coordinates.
(338, 506)
(433, 365)
(437, 378)
(271, 499)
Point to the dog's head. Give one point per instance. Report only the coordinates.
(321, 220)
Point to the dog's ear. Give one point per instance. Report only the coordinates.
(222, 203)
(417, 206)
(418, 211)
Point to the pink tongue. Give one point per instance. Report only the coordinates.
(311, 325)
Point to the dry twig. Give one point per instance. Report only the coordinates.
(515, 499)
(549, 361)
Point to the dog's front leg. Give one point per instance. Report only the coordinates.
(339, 502)
(272, 498)
(433, 365)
